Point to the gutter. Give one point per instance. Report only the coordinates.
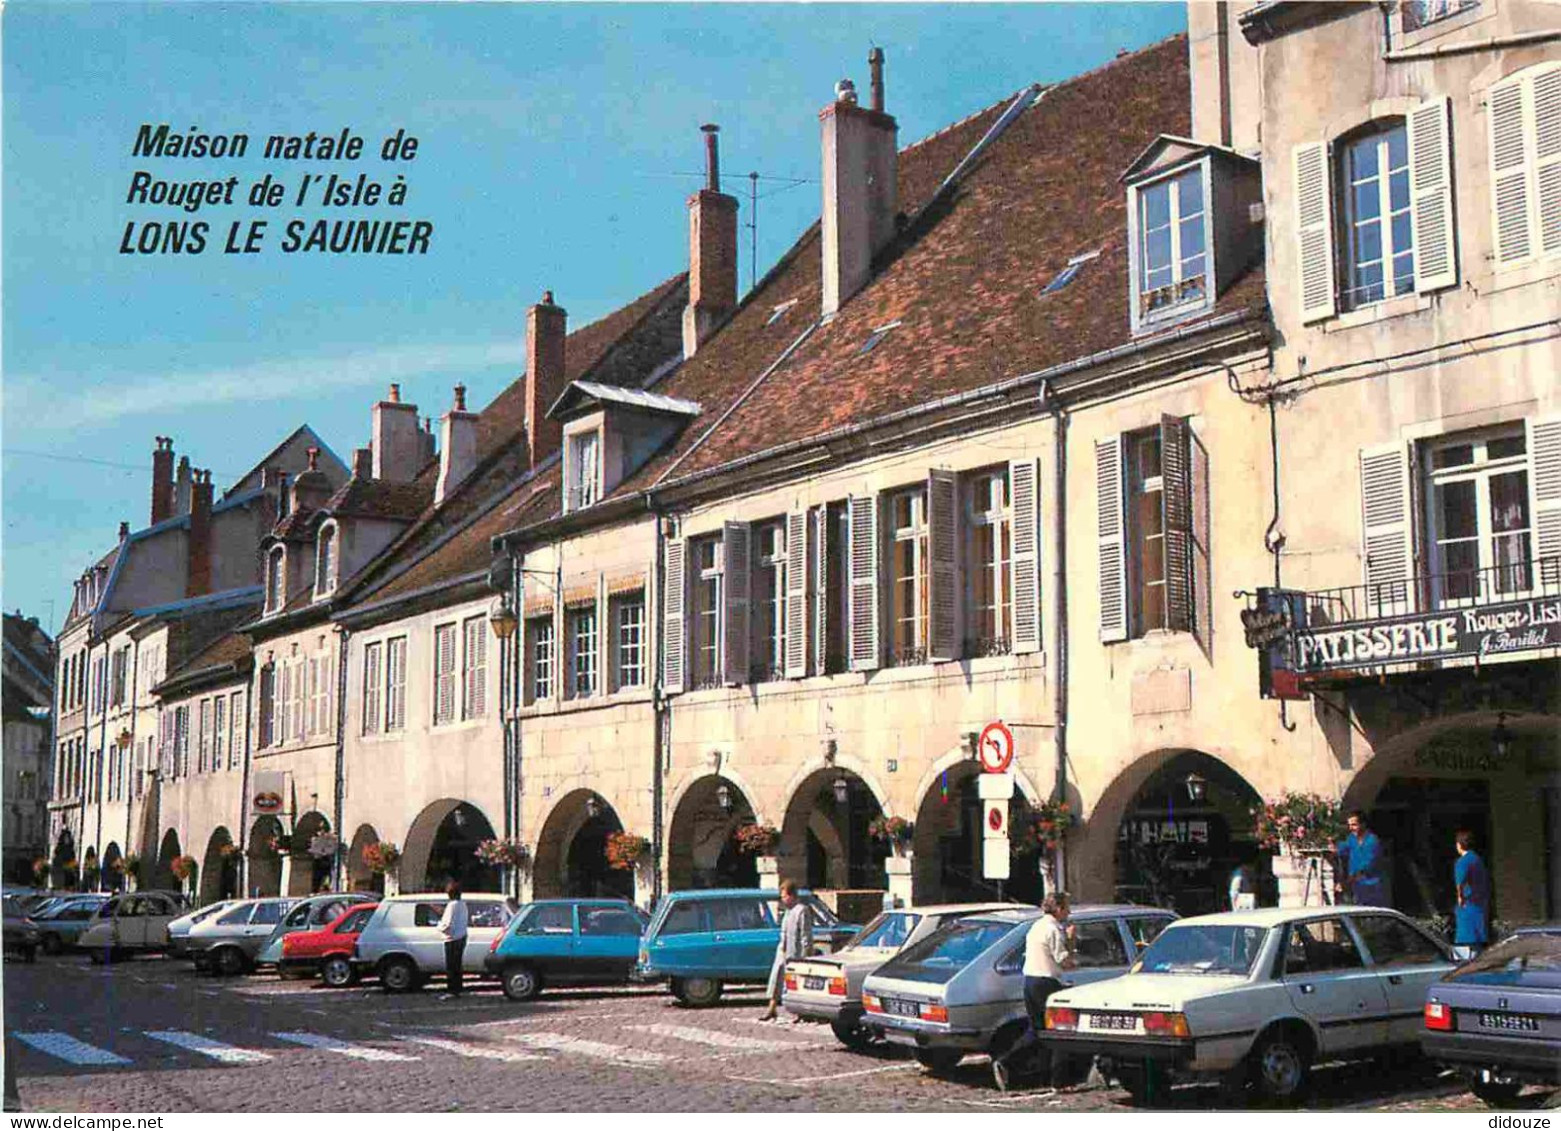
(1491, 43)
(1060, 619)
(363, 612)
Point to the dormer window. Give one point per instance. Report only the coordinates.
(276, 564)
(1172, 241)
(584, 469)
(325, 562)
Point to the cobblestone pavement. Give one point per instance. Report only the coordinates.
(149, 1035)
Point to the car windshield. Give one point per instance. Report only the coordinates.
(1202, 949)
(207, 912)
(950, 949)
(890, 929)
(1537, 950)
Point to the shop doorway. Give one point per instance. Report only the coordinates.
(1415, 818)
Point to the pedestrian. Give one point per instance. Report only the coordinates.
(1473, 884)
(1243, 887)
(1048, 951)
(1365, 867)
(796, 941)
(452, 926)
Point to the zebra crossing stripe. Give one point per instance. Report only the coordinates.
(561, 1042)
(480, 1052)
(341, 1048)
(729, 1041)
(68, 1048)
(194, 1042)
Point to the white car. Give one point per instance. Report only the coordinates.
(1254, 997)
(402, 944)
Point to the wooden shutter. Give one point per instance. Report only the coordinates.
(1176, 508)
(396, 683)
(1508, 114)
(1202, 558)
(943, 630)
(1110, 539)
(1314, 230)
(444, 673)
(736, 583)
(821, 589)
(862, 579)
(371, 688)
(796, 594)
(1384, 489)
(1546, 88)
(1544, 453)
(674, 554)
(1431, 194)
(476, 704)
(1024, 496)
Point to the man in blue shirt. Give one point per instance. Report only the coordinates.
(1473, 884)
(1365, 867)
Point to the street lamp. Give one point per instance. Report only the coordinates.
(1197, 787)
(593, 807)
(723, 797)
(502, 620)
(842, 791)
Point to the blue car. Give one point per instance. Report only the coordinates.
(701, 940)
(62, 921)
(567, 942)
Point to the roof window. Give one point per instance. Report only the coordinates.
(877, 336)
(1069, 272)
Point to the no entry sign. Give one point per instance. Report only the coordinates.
(996, 748)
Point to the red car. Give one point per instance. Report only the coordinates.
(328, 951)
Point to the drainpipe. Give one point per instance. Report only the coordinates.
(129, 774)
(338, 878)
(1060, 616)
(251, 707)
(661, 708)
(97, 784)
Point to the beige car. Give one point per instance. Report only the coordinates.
(130, 923)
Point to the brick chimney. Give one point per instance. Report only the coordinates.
(545, 332)
(712, 252)
(363, 463)
(181, 487)
(197, 575)
(861, 186)
(457, 447)
(162, 479)
(397, 445)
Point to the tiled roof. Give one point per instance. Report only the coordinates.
(377, 498)
(231, 648)
(297, 526)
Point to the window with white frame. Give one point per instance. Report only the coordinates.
(768, 602)
(236, 729)
(203, 736)
(1477, 504)
(276, 566)
(988, 562)
(444, 673)
(474, 667)
(705, 607)
(181, 740)
(121, 666)
(1377, 236)
(585, 469)
(1416, 14)
(266, 719)
(1172, 240)
(219, 730)
(325, 561)
(908, 577)
(396, 683)
(580, 626)
(540, 655)
(373, 687)
(628, 626)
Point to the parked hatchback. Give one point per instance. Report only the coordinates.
(309, 914)
(21, 935)
(567, 942)
(229, 942)
(179, 929)
(128, 924)
(327, 951)
(703, 940)
(401, 941)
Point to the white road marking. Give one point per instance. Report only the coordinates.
(343, 1048)
(804, 1080)
(561, 1042)
(194, 1042)
(68, 1048)
(480, 1052)
(550, 1018)
(729, 1041)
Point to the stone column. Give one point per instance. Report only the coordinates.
(644, 881)
(769, 871)
(900, 869)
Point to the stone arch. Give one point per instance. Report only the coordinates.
(702, 847)
(308, 873)
(162, 877)
(948, 845)
(442, 846)
(360, 877)
(571, 857)
(91, 874)
(219, 867)
(265, 861)
(113, 877)
(841, 855)
(63, 857)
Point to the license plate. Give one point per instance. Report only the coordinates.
(813, 983)
(1120, 1022)
(901, 1008)
(1509, 1021)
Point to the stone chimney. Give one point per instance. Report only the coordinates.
(197, 575)
(398, 447)
(363, 463)
(124, 531)
(545, 331)
(457, 447)
(181, 487)
(861, 187)
(311, 488)
(429, 449)
(712, 252)
(162, 479)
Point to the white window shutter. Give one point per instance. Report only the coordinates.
(674, 553)
(1110, 539)
(1202, 558)
(1544, 453)
(1508, 114)
(821, 589)
(796, 594)
(943, 636)
(1176, 510)
(1431, 194)
(862, 577)
(1385, 509)
(1546, 87)
(1314, 230)
(737, 581)
(1024, 495)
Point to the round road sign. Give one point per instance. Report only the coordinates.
(996, 748)
(995, 819)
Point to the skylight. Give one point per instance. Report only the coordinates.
(875, 337)
(1068, 273)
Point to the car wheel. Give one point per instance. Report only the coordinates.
(939, 1061)
(521, 983)
(1495, 1093)
(230, 962)
(1280, 1062)
(397, 975)
(1145, 1083)
(338, 972)
(701, 991)
(850, 1032)
(52, 944)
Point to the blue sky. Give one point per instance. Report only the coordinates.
(557, 146)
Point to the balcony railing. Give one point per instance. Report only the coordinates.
(1434, 592)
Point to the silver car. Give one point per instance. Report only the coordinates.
(308, 915)
(829, 987)
(179, 929)
(228, 943)
(402, 944)
(961, 989)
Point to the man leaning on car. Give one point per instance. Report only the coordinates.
(1048, 951)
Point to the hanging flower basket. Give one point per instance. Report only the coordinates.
(226, 850)
(382, 857)
(323, 845)
(184, 868)
(281, 843)
(758, 840)
(896, 832)
(130, 865)
(1049, 823)
(40, 869)
(504, 852)
(625, 850)
(1300, 824)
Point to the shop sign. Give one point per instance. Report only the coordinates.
(1448, 758)
(1141, 830)
(267, 796)
(1269, 627)
(1482, 630)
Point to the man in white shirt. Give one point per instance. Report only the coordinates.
(1048, 951)
(452, 926)
(796, 941)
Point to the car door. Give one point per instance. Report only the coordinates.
(130, 921)
(743, 936)
(485, 921)
(1099, 952)
(608, 940)
(267, 916)
(160, 911)
(682, 940)
(1406, 962)
(423, 941)
(1327, 980)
